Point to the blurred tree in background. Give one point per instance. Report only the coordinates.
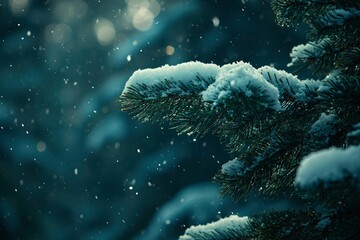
(72, 166)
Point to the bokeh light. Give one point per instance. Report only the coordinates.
(143, 19)
(141, 13)
(105, 31)
(70, 11)
(58, 33)
(170, 50)
(41, 146)
(18, 6)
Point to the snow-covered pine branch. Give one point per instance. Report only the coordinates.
(248, 108)
(327, 166)
(354, 136)
(289, 85)
(232, 227)
(330, 43)
(210, 94)
(319, 56)
(235, 82)
(323, 132)
(164, 93)
(330, 12)
(337, 16)
(180, 80)
(240, 82)
(233, 167)
(275, 122)
(291, 12)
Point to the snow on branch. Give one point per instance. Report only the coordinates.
(324, 129)
(338, 16)
(242, 78)
(217, 85)
(182, 79)
(290, 85)
(354, 136)
(233, 227)
(328, 165)
(217, 96)
(235, 167)
(286, 83)
(311, 50)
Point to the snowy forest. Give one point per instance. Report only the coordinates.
(240, 119)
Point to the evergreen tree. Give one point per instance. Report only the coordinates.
(293, 138)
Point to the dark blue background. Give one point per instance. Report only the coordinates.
(72, 165)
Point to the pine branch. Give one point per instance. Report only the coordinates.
(292, 12)
(230, 228)
(287, 84)
(271, 156)
(287, 224)
(319, 57)
(336, 17)
(242, 119)
(330, 22)
(197, 119)
(347, 45)
(274, 122)
(341, 95)
(171, 94)
(349, 60)
(339, 34)
(238, 136)
(339, 206)
(271, 175)
(331, 177)
(354, 134)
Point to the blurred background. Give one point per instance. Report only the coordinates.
(72, 165)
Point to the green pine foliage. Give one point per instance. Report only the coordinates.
(270, 144)
(334, 30)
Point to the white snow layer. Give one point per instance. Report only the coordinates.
(323, 223)
(324, 127)
(284, 81)
(328, 165)
(218, 228)
(220, 83)
(239, 77)
(313, 49)
(339, 16)
(322, 124)
(356, 132)
(306, 85)
(233, 168)
(184, 73)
